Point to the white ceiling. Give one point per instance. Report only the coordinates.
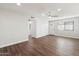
(68, 9)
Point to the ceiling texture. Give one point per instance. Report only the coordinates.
(29, 9)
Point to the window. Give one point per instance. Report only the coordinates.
(69, 26)
(66, 26)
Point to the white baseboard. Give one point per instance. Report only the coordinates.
(66, 36)
(40, 36)
(5, 45)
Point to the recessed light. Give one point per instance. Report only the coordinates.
(18, 4)
(59, 9)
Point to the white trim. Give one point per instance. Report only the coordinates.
(40, 36)
(5, 45)
(59, 18)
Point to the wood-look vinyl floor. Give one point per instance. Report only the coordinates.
(43, 46)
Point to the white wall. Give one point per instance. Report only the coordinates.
(53, 29)
(41, 26)
(13, 28)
